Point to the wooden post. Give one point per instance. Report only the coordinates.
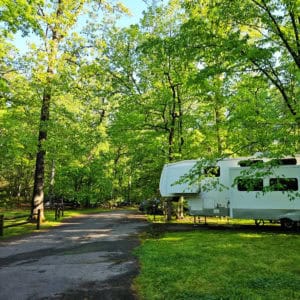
(169, 210)
(38, 221)
(1, 224)
(55, 212)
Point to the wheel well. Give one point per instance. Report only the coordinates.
(287, 223)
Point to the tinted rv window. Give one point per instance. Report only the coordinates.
(284, 184)
(248, 163)
(285, 161)
(250, 184)
(212, 171)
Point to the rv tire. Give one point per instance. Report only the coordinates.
(287, 224)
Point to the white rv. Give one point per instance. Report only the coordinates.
(237, 189)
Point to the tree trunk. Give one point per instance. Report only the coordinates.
(180, 122)
(180, 214)
(169, 209)
(218, 121)
(52, 180)
(38, 189)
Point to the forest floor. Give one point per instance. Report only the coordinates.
(87, 257)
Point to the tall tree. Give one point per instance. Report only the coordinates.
(254, 37)
(57, 20)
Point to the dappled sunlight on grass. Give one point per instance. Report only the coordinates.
(46, 224)
(214, 264)
(251, 235)
(208, 220)
(172, 239)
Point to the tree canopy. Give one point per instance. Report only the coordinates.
(92, 111)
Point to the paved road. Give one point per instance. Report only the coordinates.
(86, 258)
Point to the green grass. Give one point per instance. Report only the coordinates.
(210, 220)
(214, 264)
(49, 222)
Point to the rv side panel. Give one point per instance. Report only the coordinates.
(266, 205)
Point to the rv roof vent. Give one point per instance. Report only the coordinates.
(284, 161)
(252, 162)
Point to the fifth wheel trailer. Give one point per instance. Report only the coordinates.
(244, 188)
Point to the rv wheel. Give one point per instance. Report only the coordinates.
(259, 222)
(287, 224)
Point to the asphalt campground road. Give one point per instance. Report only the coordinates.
(88, 257)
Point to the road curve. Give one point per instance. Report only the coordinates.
(88, 257)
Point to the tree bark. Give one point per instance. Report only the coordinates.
(169, 209)
(218, 121)
(38, 189)
(180, 214)
(52, 180)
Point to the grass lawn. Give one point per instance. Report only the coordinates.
(49, 222)
(220, 264)
(210, 220)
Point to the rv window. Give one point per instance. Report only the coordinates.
(212, 171)
(285, 161)
(284, 184)
(248, 163)
(250, 184)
